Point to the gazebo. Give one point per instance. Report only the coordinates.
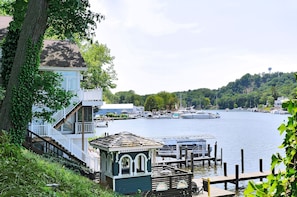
(126, 161)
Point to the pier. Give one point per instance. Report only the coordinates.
(189, 160)
(211, 190)
(235, 178)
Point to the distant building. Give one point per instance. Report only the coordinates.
(128, 108)
(280, 100)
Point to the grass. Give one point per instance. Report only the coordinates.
(23, 173)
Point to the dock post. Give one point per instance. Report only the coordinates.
(186, 157)
(192, 162)
(215, 153)
(208, 187)
(225, 173)
(177, 156)
(261, 167)
(221, 156)
(180, 152)
(208, 149)
(242, 161)
(236, 176)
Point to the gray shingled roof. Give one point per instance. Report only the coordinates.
(124, 141)
(61, 54)
(55, 53)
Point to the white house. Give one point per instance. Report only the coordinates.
(73, 125)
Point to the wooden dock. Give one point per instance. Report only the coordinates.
(234, 179)
(213, 191)
(186, 162)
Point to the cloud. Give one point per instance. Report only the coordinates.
(148, 16)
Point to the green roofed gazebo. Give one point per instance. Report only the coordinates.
(126, 161)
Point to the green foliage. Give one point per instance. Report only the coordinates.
(100, 65)
(72, 19)
(8, 53)
(6, 7)
(249, 91)
(25, 174)
(2, 92)
(151, 103)
(284, 182)
(128, 97)
(49, 94)
(23, 99)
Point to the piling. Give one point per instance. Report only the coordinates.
(221, 156)
(225, 174)
(192, 162)
(208, 148)
(236, 176)
(180, 152)
(215, 153)
(261, 167)
(186, 157)
(242, 161)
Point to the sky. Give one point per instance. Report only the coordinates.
(181, 45)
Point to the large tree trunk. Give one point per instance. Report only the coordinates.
(33, 29)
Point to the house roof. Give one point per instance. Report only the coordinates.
(124, 141)
(56, 54)
(64, 54)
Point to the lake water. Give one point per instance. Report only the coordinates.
(255, 133)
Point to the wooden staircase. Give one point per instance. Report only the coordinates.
(46, 145)
(68, 114)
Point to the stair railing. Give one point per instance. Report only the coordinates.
(59, 115)
(49, 147)
(91, 161)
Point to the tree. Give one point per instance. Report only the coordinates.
(150, 103)
(284, 182)
(96, 57)
(66, 19)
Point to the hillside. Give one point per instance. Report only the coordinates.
(23, 173)
(258, 90)
(249, 91)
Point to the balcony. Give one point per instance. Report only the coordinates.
(91, 97)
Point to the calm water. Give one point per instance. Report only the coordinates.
(255, 133)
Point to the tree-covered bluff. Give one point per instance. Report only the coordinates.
(249, 91)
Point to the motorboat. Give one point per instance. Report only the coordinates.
(199, 115)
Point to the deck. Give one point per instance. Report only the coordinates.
(241, 177)
(214, 191)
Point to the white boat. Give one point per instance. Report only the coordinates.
(199, 115)
(173, 147)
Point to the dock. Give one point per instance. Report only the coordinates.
(213, 191)
(187, 162)
(235, 178)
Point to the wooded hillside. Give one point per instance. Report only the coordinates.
(247, 92)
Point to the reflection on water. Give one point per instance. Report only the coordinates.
(255, 133)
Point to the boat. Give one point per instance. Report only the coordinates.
(200, 115)
(173, 147)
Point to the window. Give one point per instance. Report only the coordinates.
(141, 163)
(126, 165)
